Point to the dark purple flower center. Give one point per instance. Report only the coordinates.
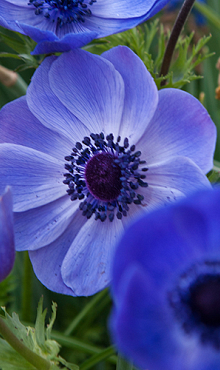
(105, 175)
(63, 11)
(204, 300)
(102, 177)
(196, 302)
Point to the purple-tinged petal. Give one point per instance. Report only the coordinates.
(29, 131)
(141, 95)
(47, 261)
(40, 226)
(90, 88)
(91, 254)
(50, 111)
(179, 173)
(36, 178)
(7, 248)
(180, 126)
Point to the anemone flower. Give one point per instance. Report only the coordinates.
(166, 287)
(92, 145)
(7, 247)
(61, 25)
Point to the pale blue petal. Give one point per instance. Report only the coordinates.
(141, 95)
(35, 178)
(90, 88)
(180, 127)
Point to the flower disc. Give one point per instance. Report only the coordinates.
(103, 177)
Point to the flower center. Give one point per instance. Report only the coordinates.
(196, 302)
(105, 175)
(102, 177)
(205, 300)
(63, 11)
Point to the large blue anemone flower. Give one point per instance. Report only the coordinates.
(7, 247)
(91, 145)
(166, 287)
(61, 25)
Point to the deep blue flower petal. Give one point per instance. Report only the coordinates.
(134, 285)
(185, 132)
(149, 260)
(140, 100)
(7, 247)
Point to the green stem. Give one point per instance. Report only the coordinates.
(123, 364)
(177, 28)
(27, 289)
(35, 360)
(92, 304)
(97, 358)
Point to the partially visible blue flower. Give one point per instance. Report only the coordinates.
(92, 145)
(7, 248)
(61, 25)
(166, 287)
(175, 4)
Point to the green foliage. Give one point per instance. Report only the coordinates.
(7, 287)
(148, 41)
(21, 47)
(37, 339)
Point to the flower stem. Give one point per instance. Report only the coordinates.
(35, 360)
(78, 345)
(92, 304)
(27, 289)
(97, 358)
(177, 28)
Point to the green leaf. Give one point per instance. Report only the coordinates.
(11, 360)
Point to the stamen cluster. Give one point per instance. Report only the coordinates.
(121, 165)
(63, 11)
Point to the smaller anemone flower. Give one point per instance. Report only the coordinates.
(7, 247)
(166, 287)
(92, 145)
(62, 25)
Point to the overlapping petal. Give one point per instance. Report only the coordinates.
(141, 95)
(7, 246)
(175, 130)
(94, 90)
(29, 132)
(45, 223)
(90, 253)
(35, 177)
